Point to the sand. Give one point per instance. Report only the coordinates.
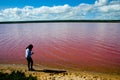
(45, 73)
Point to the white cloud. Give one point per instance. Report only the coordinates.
(101, 2)
(101, 10)
(115, 2)
(110, 8)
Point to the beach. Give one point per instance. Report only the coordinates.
(46, 73)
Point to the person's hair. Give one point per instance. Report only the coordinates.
(30, 47)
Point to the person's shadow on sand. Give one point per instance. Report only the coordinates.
(51, 71)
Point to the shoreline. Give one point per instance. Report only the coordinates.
(46, 73)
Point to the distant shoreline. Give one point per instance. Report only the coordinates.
(59, 21)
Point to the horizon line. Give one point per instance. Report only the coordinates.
(50, 21)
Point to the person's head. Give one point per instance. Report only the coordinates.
(30, 47)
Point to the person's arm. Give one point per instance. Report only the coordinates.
(32, 52)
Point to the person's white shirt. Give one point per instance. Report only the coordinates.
(28, 53)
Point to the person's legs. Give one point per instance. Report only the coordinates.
(31, 65)
(28, 60)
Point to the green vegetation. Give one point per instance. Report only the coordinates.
(16, 75)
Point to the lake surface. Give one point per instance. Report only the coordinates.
(77, 46)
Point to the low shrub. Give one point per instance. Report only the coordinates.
(16, 75)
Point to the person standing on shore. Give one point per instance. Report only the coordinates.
(28, 53)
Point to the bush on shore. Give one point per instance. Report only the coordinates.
(16, 75)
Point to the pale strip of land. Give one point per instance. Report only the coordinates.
(45, 73)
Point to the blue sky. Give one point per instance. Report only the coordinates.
(27, 10)
(37, 3)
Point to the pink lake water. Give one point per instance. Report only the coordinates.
(77, 46)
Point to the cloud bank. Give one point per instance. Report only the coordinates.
(100, 10)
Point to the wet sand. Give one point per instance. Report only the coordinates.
(45, 73)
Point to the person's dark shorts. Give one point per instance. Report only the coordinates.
(29, 59)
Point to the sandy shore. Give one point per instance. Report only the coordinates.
(45, 73)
